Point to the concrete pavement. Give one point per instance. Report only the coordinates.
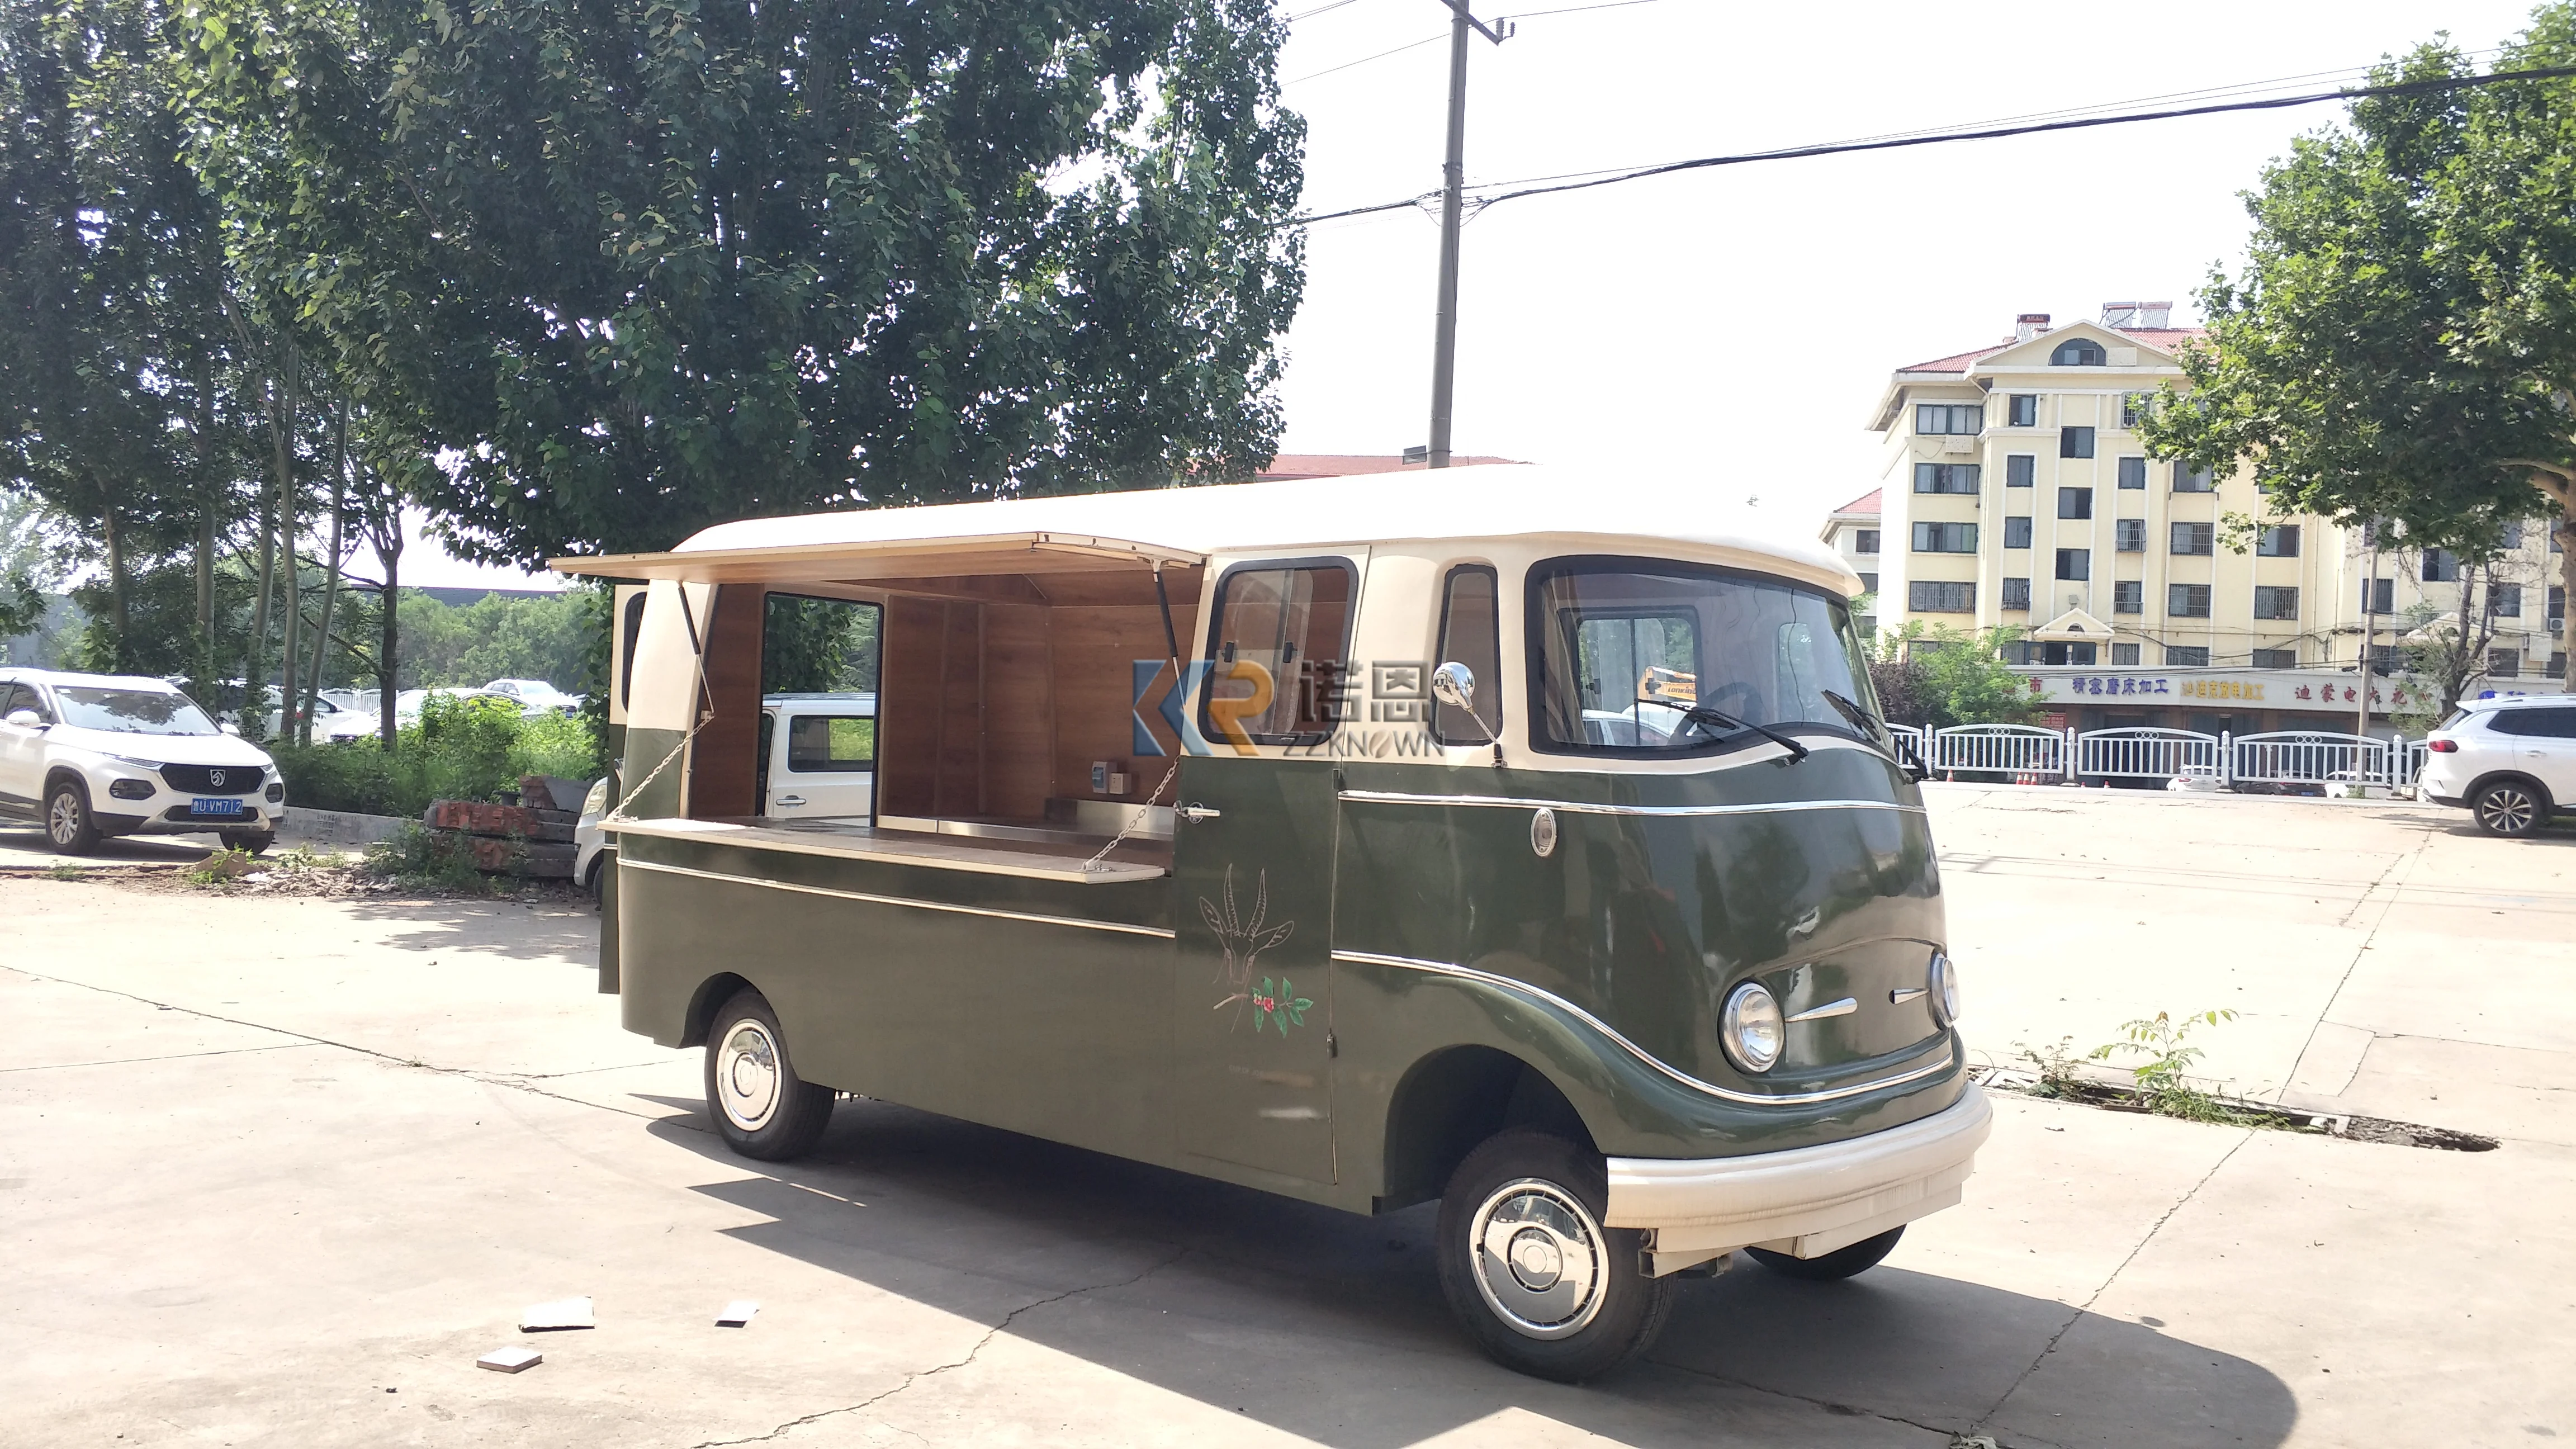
(262, 1160)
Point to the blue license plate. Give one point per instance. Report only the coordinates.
(215, 807)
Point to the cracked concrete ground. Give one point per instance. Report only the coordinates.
(262, 1161)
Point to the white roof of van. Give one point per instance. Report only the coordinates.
(1625, 511)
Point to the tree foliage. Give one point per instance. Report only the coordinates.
(1939, 677)
(633, 267)
(2402, 344)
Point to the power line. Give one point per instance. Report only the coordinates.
(1363, 60)
(1318, 10)
(1988, 133)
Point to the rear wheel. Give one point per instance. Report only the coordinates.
(68, 823)
(2509, 808)
(760, 1106)
(1526, 1265)
(1860, 1257)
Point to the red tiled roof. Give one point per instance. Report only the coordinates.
(1346, 465)
(1866, 503)
(2164, 339)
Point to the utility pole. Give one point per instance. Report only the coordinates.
(2369, 632)
(1453, 181)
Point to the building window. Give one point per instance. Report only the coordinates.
(2020, 651)
(2383, 658)
(2558, 665)
(2023, 408)
(2133, 473)
(2379, 596)
(1864, 540)
(2195, 538)
(2275, 603)
(2276, 658)
(1945, 538)
(1937, 419)
(2187, 601)
(2016, 593)
(2124, 653)
(2504, 663)
(2279, 541)
(2130, 534)
(2128, 596)
(2075, 503)
(2076, 352)
(2075, 442)
(2505, 600)
(2134, 407)
(2066, 651)
(2075, 563)
(2557, 606)
(2188, 479)
(2019, 469)
(2016, 530)
(1869, 583)
(2441, 566)
(2186, 656)
(1945, 477)
(1925, 596)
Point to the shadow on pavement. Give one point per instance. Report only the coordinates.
(1331, 1326)
(19, 840)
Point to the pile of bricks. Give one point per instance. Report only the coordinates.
(532, 838)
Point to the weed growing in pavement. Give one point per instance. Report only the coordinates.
(420, 857)
(2056, 1067)
(66, 872)
(221, 868)
(2164, 1044)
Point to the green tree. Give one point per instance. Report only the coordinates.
(2402, 345)
(1942, 676)
(638, 266)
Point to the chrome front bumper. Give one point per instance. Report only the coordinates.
(1806, 1201)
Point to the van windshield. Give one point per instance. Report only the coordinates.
(1627, 648)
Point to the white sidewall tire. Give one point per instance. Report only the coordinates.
(1527, 1178)
(759, 1105)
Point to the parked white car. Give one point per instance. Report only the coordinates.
(535, 695)
(2196, 779)
(89, 756)
(2511, 762)
(407, 705)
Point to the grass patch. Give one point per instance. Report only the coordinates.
(457, 750)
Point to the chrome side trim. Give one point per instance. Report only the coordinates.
(1904, 994)
(1844, 1007)
(1505, 802)
(1729, 1094)
(1158, 932)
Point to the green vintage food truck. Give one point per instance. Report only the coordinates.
(1506, 836)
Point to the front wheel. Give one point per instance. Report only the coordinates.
(1526, 1265)
(251, 842)
(2508, 808)
(1841, 1263)
(68, 823)
(760, 1106)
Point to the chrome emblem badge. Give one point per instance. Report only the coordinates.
(215, 778)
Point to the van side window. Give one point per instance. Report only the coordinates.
(1470, 635)
(831, 742)
(1278, 638)
(631, 628)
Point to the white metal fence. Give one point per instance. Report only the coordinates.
(2045, 756)
(2000, 749)
(2139, 753)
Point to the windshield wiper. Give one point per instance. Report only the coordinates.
(1705, 714)
(1876, 729)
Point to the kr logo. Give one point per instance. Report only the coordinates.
(1227, 713)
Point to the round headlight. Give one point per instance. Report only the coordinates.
(1945, 989)
(1751, 1029)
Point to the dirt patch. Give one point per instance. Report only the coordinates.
(300, 873)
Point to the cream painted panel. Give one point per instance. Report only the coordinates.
(666, 658)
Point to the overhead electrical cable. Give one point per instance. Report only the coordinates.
(1985, 133)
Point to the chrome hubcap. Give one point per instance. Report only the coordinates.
(747, 1074)
(1541, 1262)
(64, 818)
(2507, 810)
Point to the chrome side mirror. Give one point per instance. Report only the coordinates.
(1454, 685)
(229, 728)
(26, 719)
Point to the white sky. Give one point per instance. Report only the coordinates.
(1735, 326)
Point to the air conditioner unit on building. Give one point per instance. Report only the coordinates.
(1958, 444)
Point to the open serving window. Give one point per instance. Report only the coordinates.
(997, 675)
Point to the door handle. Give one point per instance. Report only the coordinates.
(790, 800)
(1196, 813)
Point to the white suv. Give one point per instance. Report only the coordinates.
(94, 755)
(2511, 761)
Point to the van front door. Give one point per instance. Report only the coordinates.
(1252, 1015)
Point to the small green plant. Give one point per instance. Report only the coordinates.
(2056, 1066)
(66, 872)
(2166, 1055)
(422, 858)
(221, 868)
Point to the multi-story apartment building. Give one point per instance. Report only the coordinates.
(2015, 490)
